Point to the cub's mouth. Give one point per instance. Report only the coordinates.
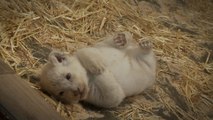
(72, 96)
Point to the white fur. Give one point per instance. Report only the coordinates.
(109, 71)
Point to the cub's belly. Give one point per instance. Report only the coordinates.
(132, 76)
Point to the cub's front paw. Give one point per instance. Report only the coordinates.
(91, 60)
(120, 40)
(97, 67)
(145, 43)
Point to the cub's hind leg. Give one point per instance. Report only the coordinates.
(118, 40)
(145, 45)
(146, 53)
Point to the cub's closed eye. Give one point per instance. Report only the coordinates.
(61, 93)
(68, 76)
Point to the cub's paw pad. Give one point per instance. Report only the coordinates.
(145, 44)
(120, 40)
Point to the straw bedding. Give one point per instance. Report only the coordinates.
(182, 37)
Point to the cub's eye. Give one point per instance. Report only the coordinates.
(61, 93)
(68, 76)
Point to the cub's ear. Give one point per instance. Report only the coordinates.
(56, 57)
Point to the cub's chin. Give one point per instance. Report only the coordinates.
(68, 102)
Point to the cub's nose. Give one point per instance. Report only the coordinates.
(79, 92)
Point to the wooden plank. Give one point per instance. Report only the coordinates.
(5, 69)
(20, 100)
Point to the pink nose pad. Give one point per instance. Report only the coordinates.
(78, 92)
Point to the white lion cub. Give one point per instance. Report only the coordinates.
(103, 74)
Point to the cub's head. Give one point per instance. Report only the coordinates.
(64, 77)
